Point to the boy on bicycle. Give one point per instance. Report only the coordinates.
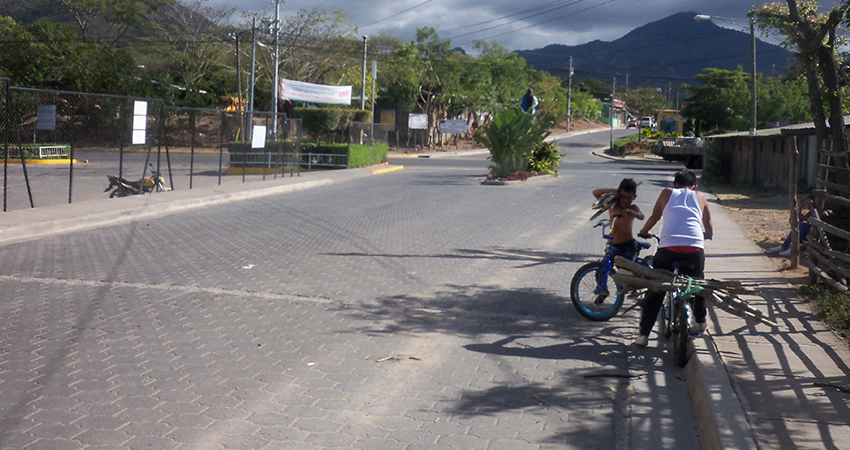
(623, 214)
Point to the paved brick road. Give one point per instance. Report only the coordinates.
(418, 309)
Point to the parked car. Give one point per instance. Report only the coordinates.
(632, 124)
(647, 122)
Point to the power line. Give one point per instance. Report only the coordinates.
(398, 13)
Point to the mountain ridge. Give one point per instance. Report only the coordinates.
(671, 50)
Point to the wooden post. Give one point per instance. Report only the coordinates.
(793, 202)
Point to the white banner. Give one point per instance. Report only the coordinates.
(453, 126)
(300, 91)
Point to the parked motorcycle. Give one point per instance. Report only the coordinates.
(123, 187)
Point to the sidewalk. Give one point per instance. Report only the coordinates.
(751, 386)
(757, 387)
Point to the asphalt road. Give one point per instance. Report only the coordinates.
(415, 309)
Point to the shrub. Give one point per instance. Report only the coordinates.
(545, 159)
(511, 137)
(367, 155)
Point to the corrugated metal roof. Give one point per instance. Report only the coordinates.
(796, 128)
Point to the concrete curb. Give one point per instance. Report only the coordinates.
(721, 421)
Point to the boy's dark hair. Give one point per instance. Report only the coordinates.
(685, 178)
(628, 185)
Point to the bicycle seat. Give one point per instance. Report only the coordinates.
(644, 245)
(687, 265)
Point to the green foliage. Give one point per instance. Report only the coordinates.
(720, 101)
(367, 155)
(645, 101)
(315, 147)
(717, 166)
(511, 137)
(831, 306)
(585, 106)
(325, 121)
(545, 159)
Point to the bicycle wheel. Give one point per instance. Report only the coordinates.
(666, 328)
(680, 334)
(590, 303)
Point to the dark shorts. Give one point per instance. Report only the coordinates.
(628, 250)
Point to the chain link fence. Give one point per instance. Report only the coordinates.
(60, 147)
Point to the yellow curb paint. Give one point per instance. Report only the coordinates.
(385, 170)
(45, 161)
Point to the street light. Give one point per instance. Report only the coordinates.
(700, 18)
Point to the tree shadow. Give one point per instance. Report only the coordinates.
(527, 258)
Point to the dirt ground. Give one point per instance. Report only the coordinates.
(763, 216)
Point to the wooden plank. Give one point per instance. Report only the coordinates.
(825, 277)
(836, 186)
(828, 266)
(842, 170)
(831, 229)
(831, 254)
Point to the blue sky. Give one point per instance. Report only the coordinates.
(517, 25)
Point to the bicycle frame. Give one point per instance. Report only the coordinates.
(677, 315)
(611, 253)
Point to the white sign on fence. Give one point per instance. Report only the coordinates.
(140, 121)
(315, 93)
(453, 127)
(417, 121)
(258, 138)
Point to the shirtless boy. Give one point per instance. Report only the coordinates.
(623, 214)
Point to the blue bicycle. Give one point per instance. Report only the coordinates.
(593, 291)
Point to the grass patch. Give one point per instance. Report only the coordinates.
(832, 307)
(624, 140)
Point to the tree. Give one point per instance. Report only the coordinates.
(720, 101)
(196, 47)
(813, 37)
(645, 101)
(117, 15)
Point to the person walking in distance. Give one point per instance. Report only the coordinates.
(529, 102)
(687, 224)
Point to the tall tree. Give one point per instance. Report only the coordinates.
(117, 16)
(196, 46)
(812, 35)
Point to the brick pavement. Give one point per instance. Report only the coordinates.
(335, 318)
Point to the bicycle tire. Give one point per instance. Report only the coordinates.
(584, 299)
(666, 326)
(680, 334)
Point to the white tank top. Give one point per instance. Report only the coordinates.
(682, 220)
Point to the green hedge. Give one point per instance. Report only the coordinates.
(313, 147)
(327, 120)
(367, 155)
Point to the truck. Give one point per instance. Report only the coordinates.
(647, 122)
(689, 150)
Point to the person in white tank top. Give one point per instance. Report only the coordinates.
(687, 224)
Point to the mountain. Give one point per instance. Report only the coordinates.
(669, 51)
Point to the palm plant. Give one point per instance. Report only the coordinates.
(511, 137)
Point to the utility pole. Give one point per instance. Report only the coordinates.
(239, 87)
(363, 85)
(570, 96)
(753, 89)
(374, 77)
(276, 88)
(613, 93)
(249, 133)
